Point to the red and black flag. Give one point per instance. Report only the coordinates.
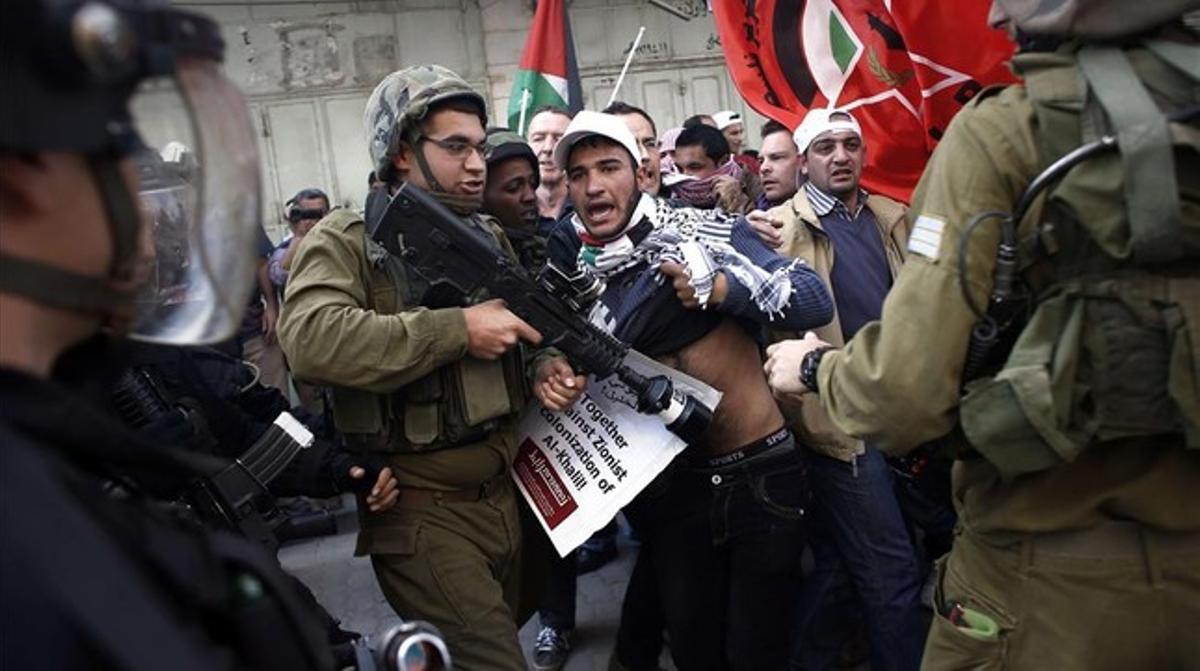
(904, 67)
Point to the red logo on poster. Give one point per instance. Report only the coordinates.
(537, 476)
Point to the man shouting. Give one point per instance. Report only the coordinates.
(722, 527)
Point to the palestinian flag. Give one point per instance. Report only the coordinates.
(903, 68)
(548, 70)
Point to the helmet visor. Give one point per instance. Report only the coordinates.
(200, 192)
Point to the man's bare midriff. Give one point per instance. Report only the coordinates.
(728, 359)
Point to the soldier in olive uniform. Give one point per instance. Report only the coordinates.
(1079, 545)
(420, 377)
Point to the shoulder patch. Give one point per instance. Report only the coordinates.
(926, 236)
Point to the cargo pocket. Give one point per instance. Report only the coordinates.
(405, 569)
(422, 410)
(1020, 419)
(483, 391)
(979, 644)
(1183, 377)
(462, 575)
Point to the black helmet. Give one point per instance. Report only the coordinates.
(70, 67)
(106, 78)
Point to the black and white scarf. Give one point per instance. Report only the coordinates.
(699, 240)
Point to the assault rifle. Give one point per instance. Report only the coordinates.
(457, 258)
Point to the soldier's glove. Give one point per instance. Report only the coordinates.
(343, 462)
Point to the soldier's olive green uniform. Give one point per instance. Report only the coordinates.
(449, 551)
(1091, 560)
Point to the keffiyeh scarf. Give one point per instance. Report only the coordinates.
(699, 240)
(702, 193)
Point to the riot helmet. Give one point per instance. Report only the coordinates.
(115, 80)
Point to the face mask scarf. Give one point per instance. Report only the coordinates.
(702, 193)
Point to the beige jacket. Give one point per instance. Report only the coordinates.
(804, 238)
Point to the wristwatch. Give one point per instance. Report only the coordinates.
(809, 365)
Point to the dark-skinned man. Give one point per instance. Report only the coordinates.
(511, 195)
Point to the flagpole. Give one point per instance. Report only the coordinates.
(524, 105)
(628, 59)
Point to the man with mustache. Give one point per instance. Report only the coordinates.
(1034, 330)
(723, 525)
(855, 241)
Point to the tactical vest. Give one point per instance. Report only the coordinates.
(455, 405)
(1112, 348)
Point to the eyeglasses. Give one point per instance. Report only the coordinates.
(460, 149)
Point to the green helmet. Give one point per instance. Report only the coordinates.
(503, 144)
(402, 100)
(1088, 19)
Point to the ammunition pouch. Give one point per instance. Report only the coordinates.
(1100, 360)
(1112, 349)
(457, 404)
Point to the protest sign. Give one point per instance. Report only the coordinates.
(578, 468)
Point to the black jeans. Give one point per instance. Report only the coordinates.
(557, 608)
(725, 548)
